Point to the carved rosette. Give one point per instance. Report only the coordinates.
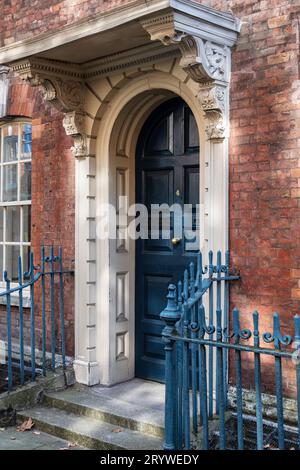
(63, 92)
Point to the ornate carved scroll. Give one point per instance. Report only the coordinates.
(62, 90)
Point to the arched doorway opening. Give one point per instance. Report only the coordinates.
(166, 176)
(120, 121)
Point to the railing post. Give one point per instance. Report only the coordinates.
(170, 316)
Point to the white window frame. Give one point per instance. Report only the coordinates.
(18, 203)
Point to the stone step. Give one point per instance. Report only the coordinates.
(109, 409)
(88, 432)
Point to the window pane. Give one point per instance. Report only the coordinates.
(13, 224)
(10, 190)
(26, 142)
(25, 179)
(1, 224)
(26, 223)
(10, 143)
(26, 251)
(11, 262)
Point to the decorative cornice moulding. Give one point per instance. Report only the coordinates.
(138, 56)
(37, 66)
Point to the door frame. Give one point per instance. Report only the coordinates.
(120, 118)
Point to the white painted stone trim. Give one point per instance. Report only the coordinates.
(218, 21)
(169, 77)
(3, 90)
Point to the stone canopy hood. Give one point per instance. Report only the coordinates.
(138, 33)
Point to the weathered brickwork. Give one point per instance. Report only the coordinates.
(264, 168)
(52, 190)
(264, 152)
(24, 18)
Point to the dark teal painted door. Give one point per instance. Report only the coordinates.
(167, 171)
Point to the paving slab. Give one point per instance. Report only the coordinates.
(11, 439)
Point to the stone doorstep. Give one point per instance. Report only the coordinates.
(89, 432)
(91, 416)
(108, 409)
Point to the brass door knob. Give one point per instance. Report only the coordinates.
(176, 241)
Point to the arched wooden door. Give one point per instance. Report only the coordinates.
(167, 172)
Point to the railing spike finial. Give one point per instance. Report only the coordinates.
(185, 285)
(179, 293)
(197, 271)
(52, 253)
(198, 283)
(256, 328)
(31, 263)
(43, 259)
(210, 263)
(192, 278)
(192, 270)
(297, 331)
(219, 263)
(202, 323)
(276, 330)
(219, 325)
(276, 337)
(279, 339)
(20, 270)
(227, 260)
(236, 325)
(5, 276)
(171, 313)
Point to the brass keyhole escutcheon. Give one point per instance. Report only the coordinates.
(176, 241)
(177, 192)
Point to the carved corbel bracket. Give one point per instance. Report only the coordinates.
(213, 100)
(64, 89)
(202, 59)
(74, 125)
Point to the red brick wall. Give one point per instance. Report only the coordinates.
(53, 186)
(21, 19)
(53, 203)
(265, 168)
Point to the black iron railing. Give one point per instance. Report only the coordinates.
(44, 285)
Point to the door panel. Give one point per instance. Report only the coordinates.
(167, 172)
